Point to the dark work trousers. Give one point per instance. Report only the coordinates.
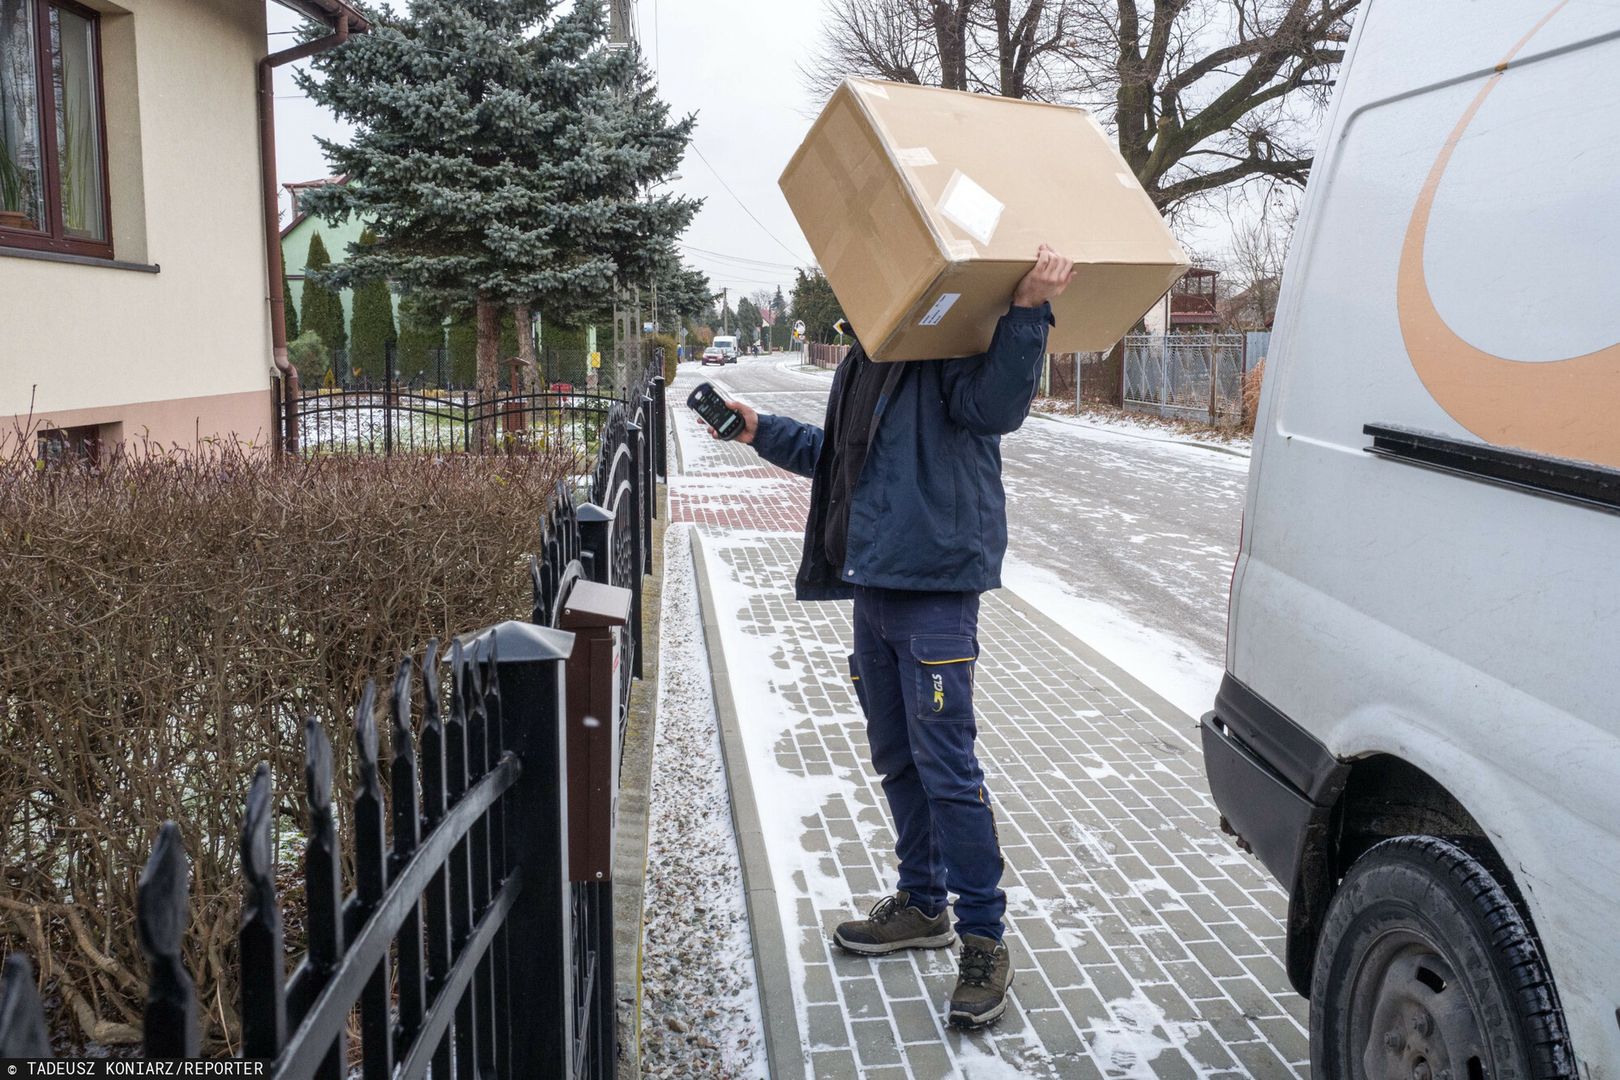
(913, 669)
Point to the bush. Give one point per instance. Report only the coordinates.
(169, 621)
(1253, 380)
(670, 346)
(311, 357)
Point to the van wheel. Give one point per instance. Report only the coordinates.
(1426, 971)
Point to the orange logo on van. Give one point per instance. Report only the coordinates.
(1560, 407)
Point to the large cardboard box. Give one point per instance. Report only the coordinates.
(924, 208)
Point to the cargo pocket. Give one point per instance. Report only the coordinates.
(945, 664)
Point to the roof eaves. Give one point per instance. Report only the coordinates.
(329, 11)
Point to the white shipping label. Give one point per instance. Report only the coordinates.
(971, 207)
(915, 155)
(936, 314)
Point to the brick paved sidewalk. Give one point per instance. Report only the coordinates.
(1144, 945)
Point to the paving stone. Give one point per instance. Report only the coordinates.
(827, 1026)
(1121, 886)
(874, 1042)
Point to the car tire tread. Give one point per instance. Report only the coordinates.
(1521, 970)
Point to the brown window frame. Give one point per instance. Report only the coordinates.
(54, 236)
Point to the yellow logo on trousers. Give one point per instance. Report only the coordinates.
(939, 692)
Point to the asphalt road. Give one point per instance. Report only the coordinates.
(1136, 531)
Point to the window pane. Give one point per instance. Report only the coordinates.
(22, 158)
(78, 124)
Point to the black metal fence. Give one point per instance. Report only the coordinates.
(401, 413)
(476, 940)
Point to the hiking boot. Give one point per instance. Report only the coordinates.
(891, 926)
(981, 988)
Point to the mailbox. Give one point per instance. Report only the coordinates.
(596, 614)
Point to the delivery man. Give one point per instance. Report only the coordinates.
(908, 517)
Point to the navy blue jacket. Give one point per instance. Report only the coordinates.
(928, 511)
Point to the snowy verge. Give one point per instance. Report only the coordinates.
(700, 1004)
(1165, 664)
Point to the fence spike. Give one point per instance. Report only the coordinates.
(461, 889)
(407, 834)
(264, 1000)
(537, 581)
(23, 1033)
(162, 910)
(436, 901)
(371, 882)
(323, 880)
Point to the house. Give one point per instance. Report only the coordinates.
(1252, 308)
(138, 233)
(301, 228)
(1189, 306)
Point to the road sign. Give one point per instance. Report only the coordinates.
(683, 333)
(798, 327)
(596, 359)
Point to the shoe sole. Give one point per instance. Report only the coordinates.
(964, 1021)
(939, 941)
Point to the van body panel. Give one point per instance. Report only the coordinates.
(1470, 629)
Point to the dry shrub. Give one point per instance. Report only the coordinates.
(168, 621)
(1253, 379)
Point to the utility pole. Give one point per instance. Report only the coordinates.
(725, 305)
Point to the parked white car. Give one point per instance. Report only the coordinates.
(1419, 731)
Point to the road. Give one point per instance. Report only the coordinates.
(1126, 538)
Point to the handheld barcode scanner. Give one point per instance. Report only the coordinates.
(706, 401)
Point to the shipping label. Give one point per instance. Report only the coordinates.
(936, 314)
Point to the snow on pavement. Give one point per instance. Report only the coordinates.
(700, 1004)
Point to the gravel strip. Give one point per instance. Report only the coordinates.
(700, 1007)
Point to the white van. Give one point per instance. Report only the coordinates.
(727, 346)
(1419, 730)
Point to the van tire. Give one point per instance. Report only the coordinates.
(1417, 917)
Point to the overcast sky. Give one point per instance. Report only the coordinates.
(737, 65)
(753, 112)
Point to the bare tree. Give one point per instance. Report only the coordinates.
(1254, 262)
(1202, 94)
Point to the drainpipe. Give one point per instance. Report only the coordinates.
(272, 218)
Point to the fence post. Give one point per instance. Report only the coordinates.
(661, 418)
(389, 348)
(529, 670)
(163, 907)
(638, 555)
(595, 527)
(649, 465)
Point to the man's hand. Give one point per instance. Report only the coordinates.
(750, 421)
(1047, 281)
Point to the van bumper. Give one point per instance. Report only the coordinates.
(1275, 785)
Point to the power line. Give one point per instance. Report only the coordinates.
(801, 259)
(761, 264)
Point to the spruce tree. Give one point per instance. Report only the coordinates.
(475, 121)
(372, 324)
(322, 310)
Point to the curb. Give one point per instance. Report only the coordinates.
(784, 1046)
(1216, 447)
(1132, 687)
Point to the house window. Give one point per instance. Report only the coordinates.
(53, 160)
